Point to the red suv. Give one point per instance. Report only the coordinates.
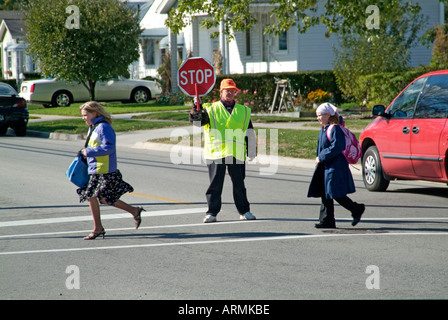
(409, 139)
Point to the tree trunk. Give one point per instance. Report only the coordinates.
(92, 90)
(90, 86)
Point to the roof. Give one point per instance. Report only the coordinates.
(14, 22)
(141, 7)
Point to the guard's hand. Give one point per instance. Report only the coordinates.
(197, 100)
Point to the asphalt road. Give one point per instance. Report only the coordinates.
(398, 251)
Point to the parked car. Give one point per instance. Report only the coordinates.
(59, 93)
(13, 111)
(409, 139)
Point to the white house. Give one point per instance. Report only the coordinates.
(14, 61)
(254, 51)
(154, 40)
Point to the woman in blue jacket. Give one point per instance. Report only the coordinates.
(332, 178)
(106, 184)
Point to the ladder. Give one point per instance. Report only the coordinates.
(286, 102)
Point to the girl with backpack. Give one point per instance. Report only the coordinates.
(332, 178)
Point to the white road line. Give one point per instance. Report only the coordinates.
(222, 241)
(128, 229)
(103, 217)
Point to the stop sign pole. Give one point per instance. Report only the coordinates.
(196, 77)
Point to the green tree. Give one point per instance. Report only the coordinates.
(363, 51)
(9, 5)
(440, 50)
(236, 16)
(339, 16)
(82, 40)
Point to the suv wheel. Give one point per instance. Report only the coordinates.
(372, 171)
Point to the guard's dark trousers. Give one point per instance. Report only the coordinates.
(217, 172)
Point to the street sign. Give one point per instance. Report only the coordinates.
(196, 77)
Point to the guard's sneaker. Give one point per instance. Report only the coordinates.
(247, 216)
(209, 218)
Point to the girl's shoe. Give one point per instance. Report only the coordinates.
(94, 235)
(138, 218)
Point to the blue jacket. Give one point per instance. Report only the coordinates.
(337, 177)
(101, 150)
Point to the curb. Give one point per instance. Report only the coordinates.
(54, 135)
(183, 153)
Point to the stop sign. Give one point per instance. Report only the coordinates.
(196, 72)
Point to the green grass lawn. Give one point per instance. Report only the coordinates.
(111, 107)
(78, 126)
(291, 143)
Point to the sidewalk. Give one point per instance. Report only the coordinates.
(139, 140)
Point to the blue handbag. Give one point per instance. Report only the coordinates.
(77, 172)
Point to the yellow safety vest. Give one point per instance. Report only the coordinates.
(225, 134)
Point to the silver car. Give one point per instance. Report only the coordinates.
(59, 93)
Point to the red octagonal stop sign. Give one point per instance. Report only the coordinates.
(196, 72)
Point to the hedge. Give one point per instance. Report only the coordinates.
(264, 85)
(382, 88)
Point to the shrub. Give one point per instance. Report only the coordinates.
(171, 99)
(302, 83)
(382, 88)
(439, 53)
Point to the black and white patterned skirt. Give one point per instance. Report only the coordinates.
(108, 186)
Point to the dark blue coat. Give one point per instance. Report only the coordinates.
(333, 172)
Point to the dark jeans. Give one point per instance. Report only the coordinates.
(217, 172)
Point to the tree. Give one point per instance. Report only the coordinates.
(82, 40)
(363, 51)
(339, 16)
(236, 16)
(439, 53)
(9, 5)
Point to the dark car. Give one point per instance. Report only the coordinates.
(13, 111)
(409, 139)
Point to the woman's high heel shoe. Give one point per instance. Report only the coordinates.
(94, 235)
(138, 217)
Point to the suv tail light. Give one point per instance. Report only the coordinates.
(21, 103)
(32, 88)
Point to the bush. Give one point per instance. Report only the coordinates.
(439, 54)
(382, 88)
(171, 99)
(264, 86)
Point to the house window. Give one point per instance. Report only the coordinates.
(248, 53)
(283, 41)
(149, 52)
(9, 61)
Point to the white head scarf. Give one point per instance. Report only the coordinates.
(327, 108)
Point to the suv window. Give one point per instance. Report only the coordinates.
(404, 105)
(434, 100)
